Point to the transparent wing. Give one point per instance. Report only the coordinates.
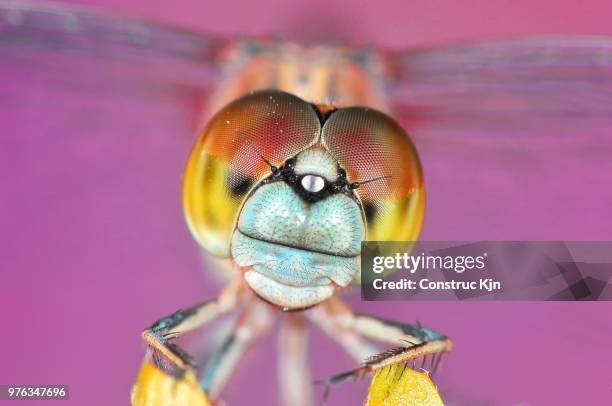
(515, 137)
(522, 83)
(80, 47)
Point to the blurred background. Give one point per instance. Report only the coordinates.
(94, 246)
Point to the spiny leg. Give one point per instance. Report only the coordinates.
(252, 324)
(417, 342)
(293, 363)
(414, 341)
(169, 356)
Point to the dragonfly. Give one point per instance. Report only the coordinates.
(545, 90)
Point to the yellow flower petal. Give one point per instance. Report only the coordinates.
(397, 385)
(155, 387)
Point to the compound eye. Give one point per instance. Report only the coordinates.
(312, 183)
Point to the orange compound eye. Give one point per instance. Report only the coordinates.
(369, 145)
(226, 161)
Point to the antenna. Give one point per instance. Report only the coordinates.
(355, 185)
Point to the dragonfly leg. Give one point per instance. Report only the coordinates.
(251, 325)
(169, 356)
(294, 377)
(412, 341)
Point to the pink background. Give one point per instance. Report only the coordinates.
(94, 245)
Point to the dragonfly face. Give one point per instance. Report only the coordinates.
(288, 191)
(299, 233)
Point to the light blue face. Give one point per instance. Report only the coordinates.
(299, 234)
